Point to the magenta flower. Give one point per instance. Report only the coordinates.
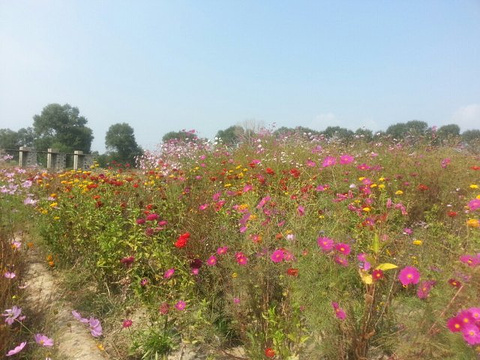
(325, 243)
(241, 258)
(128, 260)
(301, 210)
(152, 217)
(222, 250)
(474, 204)
(454, 324)
(95, 327)
(339, 312)
(343, 248)
(127, 323)
(180, 306)
(466, 317)
(212, 261)
(43, 340)
(346, 159)
(341, 260)
(364, 264)
(424, 288)
(203, 207)
(470, 260)
(475, 311)
(277, 256)
(169, 273)
(329, 161)
(140, 221)
(471, 334)
(12, 314)
(409, 275)
(17, 349)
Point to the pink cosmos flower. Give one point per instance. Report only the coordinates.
(329, 161)
(17, 349)
(95, 327)
(466, 317)
(79, 317)
(9, 275)
(325, 243)
(222, 250)
(339, 312)
(277, 256)
(152, 217)
(424, 288)
(409, 275)
(12, 314)
(475, 312)
(169, 273)
(341, 260)
(203, 207)
(471, 334)
(180, 306)
(470, 260)
(212, 261)
(474, 204)
(301, 210)
(241, 258)
(454, 324)
(343, 248)
(43, 340)
(346, 159)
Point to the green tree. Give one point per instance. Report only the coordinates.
(121, 144)
(338, 132)
(471, 136)
(10, 139)
(365, 134)
(231, 135)
(62, 127)
(448, 131)
(180, 135)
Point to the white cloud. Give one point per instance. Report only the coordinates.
(467, 117)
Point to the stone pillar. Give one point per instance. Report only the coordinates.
(88, 161)
(27, 157)
(52, 155)
(77, 160)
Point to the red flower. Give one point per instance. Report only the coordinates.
(452, 214)
(270, 171)
(269, 352)
(292, 272)
(377, 274)
(182, 240)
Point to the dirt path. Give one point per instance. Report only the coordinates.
(73, 340)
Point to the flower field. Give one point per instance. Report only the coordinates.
(288, 248)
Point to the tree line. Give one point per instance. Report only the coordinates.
(61, 127)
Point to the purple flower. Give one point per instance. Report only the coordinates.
(12, 314)
(17, 349)
(43, 340)
(77, 316)
(409, 275)
(95, 327)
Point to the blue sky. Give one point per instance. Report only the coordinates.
(169, 65)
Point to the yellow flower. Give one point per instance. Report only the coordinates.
(366, 209)
(474, 223)
(53, 204)
(473, 186)
(399, 192)
(381, 186)
(227, 185)
(381, 179)
(234, 275)
(361, 178)
(417, 242)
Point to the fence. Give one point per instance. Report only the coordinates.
(55, 160)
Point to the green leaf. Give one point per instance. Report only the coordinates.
(376, 244)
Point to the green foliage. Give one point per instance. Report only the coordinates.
(231, 135)
(120, 141)
(62, 127)
(182, 135)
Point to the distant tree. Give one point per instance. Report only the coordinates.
(364, 134)
(231, 135)
(338, 132)
(397, 131)
(121, 144)
(448, 131)
(179, 135)
(471, 136)
(10, 139)
(62, 127)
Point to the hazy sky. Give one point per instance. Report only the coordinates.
(170, 65)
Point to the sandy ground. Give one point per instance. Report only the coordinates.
(72, 339)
